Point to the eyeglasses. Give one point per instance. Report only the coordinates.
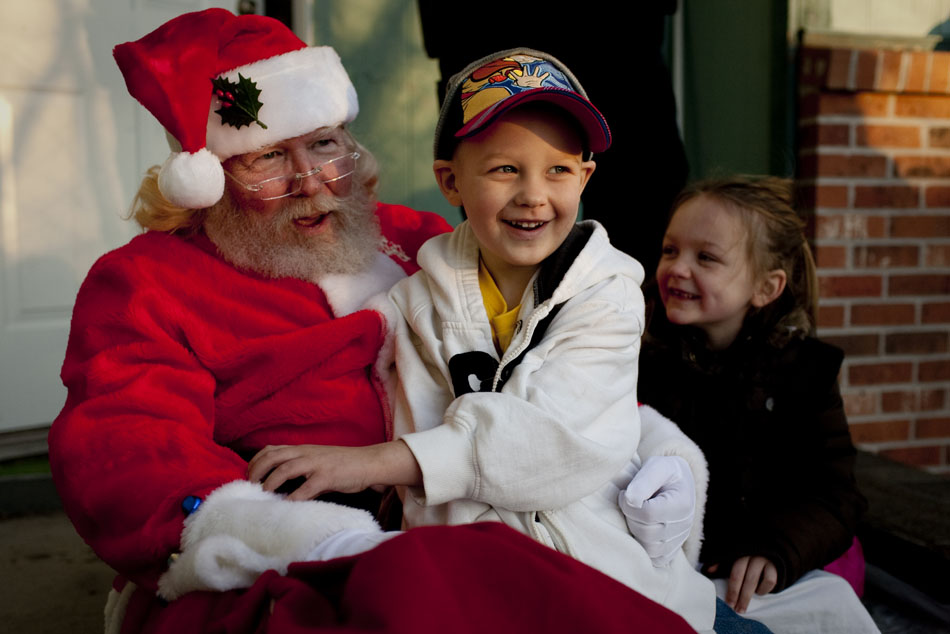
(290, 184)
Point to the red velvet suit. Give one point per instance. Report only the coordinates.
(177, 362)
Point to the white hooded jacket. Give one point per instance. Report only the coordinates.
(541, 439)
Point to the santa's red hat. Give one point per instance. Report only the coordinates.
(224, 85)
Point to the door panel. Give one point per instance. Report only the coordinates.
(73, 146)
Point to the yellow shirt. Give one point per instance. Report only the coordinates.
(502, 320)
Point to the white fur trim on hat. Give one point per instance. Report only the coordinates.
(301, 91)
(192, 181)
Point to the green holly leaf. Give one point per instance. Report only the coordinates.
(239, 101)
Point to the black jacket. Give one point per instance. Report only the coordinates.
(772, 425)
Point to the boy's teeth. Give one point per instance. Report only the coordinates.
(526, 225)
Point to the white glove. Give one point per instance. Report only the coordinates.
(349, 541)
(240, 531)
(659, 504)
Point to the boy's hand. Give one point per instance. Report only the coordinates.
(343, 469)
(749, 574)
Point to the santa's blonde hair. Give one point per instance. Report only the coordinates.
(152, 211)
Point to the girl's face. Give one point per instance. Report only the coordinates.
(705, 275)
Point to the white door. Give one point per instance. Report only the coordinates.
(73, 147)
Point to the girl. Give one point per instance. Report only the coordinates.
(730, 355)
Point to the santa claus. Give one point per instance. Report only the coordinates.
(235, 321)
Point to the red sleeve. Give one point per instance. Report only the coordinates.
(136, 434)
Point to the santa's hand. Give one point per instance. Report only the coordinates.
(659, 504)
(349, 541)
(240, 531)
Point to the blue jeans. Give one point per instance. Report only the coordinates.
(728, 621)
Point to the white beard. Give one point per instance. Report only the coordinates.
(272, 246)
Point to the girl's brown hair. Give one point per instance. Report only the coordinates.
(775, 240)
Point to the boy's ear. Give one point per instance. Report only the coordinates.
(587, 168)
(770, 288)
(445, 177)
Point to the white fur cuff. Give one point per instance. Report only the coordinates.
(241, 530)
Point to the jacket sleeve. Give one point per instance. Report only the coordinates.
(565, 423)
(815, 521)
(136, 434)
(661, 437)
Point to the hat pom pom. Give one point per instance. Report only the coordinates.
(192, 180)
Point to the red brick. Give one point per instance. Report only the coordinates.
(940, 137)
(911, 401)
(882, 314)
(882, 431)
(921, 166)
(849, 286)
(937, 255)
(920, 226)
(839, 68)
(934, 371)
(937, 196)
(850, 226)
(939, 73)
(932, 428)
(844, 165)
(919, 285)
(903, 401)
(828, 196)
(935, 313)
(831, 257)
(855, 345)
(862, 403)
(813, 66)
(875, 373)
(830, 316)
(916, 78)
(826, 135)
(889, 77)
(916, 456)
(922, 106)
(916, 342)
(862, 104)
(887, 136)
(833, 134)
(866, 70)
(932, 399)
(883, 256)
(903, 196)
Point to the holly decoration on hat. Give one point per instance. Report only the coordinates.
(239, 101)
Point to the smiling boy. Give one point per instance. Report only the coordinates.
(516, 349)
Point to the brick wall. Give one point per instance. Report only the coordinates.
(874, 155)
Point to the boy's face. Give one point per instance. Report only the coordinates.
(520, 182)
